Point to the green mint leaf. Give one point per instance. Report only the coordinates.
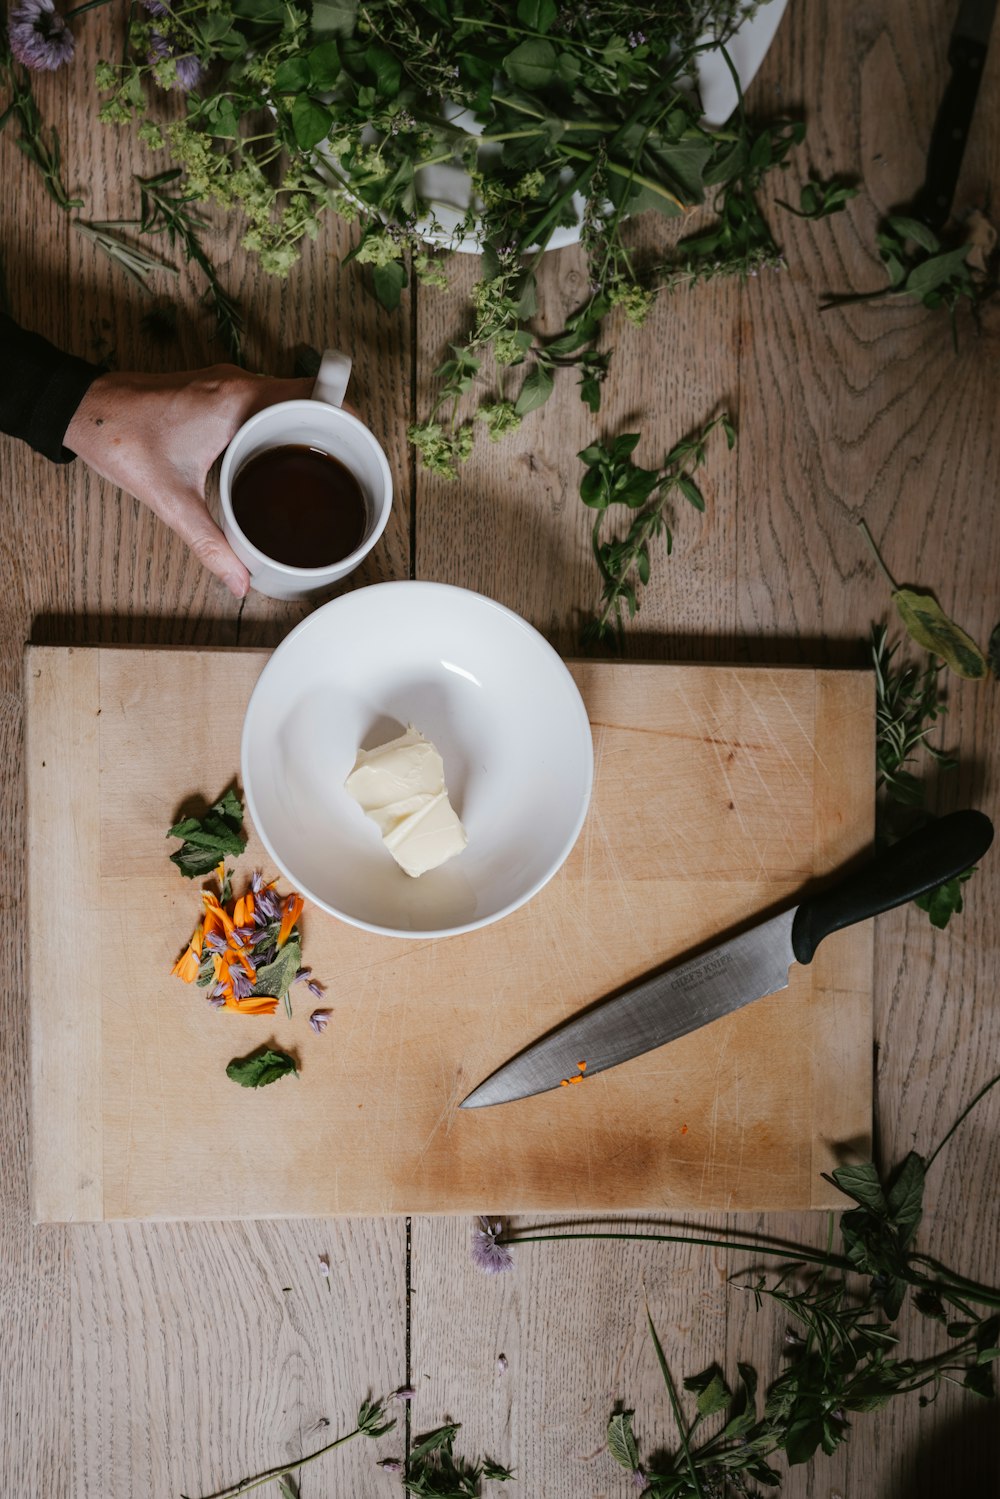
(944, 901)
(208, 839)
(979, 1379)
(386, 69)
(261, 1067)
(862, 1184)
(389, 280)
(930, 626)
(194, 863)
(907, 228)
(292, 75)
(323, 65)
(621, 1441)
(538, 386)
(801, 1440)
(905, 1197)
(711, 1389)
(311, 122)
(928, 275)
(536, 15)
(334, 17)
(532, 65)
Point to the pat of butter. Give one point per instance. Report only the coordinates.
(400, 785)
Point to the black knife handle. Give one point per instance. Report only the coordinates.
(951, 130)
(925, 859)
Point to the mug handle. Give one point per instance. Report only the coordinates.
(331, 382)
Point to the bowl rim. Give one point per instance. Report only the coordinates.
(425, 587)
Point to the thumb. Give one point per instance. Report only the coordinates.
(190, 520)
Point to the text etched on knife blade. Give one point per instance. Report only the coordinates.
(696, 972)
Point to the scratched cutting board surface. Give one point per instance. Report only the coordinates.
(719, 793)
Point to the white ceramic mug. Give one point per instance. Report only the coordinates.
(320, 422)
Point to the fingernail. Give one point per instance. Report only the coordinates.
(239, 587)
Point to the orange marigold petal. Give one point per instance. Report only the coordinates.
(290, 915)
(254, 1004)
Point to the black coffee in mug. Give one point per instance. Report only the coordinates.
(300, 506)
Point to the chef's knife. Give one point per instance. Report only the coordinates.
(681, 998)
(966, 57)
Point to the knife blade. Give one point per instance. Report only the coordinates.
(966, 58)
(688, 995)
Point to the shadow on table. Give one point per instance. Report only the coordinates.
(960, 1457)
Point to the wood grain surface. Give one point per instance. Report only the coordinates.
(720, 793)
(150, 1359)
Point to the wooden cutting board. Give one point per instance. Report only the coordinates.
(719, 793)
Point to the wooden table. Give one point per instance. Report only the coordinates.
(150, 1359)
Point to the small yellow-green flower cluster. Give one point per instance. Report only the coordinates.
(442, 451)
(500, 417)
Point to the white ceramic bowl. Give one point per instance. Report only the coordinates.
(474, 678)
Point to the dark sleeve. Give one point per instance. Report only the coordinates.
(40, 389)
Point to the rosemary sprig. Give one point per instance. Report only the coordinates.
(137, 263)
(163, 211)
(908, 705)
(371, 1422)
(613, 479)
(39, 143)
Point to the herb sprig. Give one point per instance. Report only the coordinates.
(846, 1357)
(584, 116)
(372, 1422)
(612, 478)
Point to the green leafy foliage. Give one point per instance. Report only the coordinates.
(621, 1440)
(298, 115)
(844, 1358)
(921, 267)
(928, 624)
(261, 1067)
(818, 199)
(208, 839)
(434, 1470)
(908, 704)
(613, 479)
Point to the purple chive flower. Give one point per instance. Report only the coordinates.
(390, 1464)
(319, 1020)
(217, 1001)
(488, 1254)
(156, 8)
(316, 990)
(267, 907)
(242, 986)
(188, 67)
(215, 942)
(638, 1478)
(405, 1393)
(266, 956)
(39, 37)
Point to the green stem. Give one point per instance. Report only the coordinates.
(78, 10)
(244, 1487)
(779, 1250)
(969, 1107)
(676, 1405)
(878, 558)
(633, 176)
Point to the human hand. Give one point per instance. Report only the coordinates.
(157, 436)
